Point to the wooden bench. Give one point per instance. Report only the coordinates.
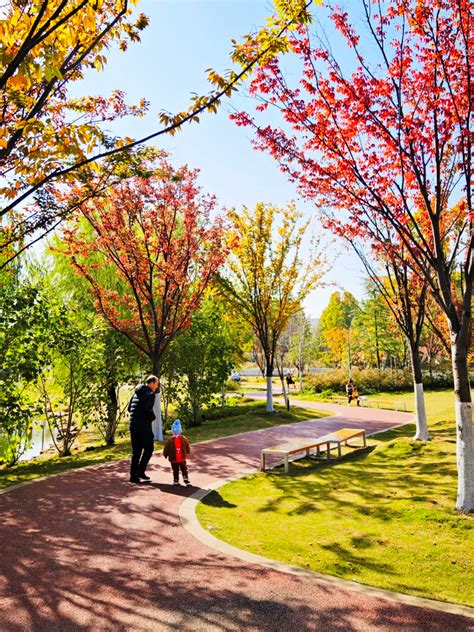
(337, 438)
(382, 403)
(339, 399)
(299, 445)
(346, 434)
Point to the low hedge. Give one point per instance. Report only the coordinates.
(245, 406)
(369, 381)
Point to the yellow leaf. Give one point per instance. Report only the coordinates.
(17, 82)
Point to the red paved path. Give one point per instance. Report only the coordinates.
(88, 551)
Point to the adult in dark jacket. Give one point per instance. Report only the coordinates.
(141, 418)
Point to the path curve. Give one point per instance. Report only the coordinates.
(88, 551)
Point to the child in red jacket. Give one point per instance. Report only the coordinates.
(176, 450)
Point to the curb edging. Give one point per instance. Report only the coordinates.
(190, 522)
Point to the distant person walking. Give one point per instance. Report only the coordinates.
(290, 381)
(350, 389)
(177, 449)
(141, 433)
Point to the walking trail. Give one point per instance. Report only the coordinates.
(89, 551)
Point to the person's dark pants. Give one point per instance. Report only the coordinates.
(184, 471)
(142, 449)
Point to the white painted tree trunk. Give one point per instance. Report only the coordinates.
(422, 433)
(157, 425)
(269, 407)
(465, 456)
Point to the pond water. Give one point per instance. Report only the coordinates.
(40, 440)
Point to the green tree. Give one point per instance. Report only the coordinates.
(376, 336)
(24, 352)
(117, 359)
(201, 358)
(65, 388)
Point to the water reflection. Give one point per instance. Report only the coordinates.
(40, 440)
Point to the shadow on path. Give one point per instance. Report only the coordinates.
(89, 551)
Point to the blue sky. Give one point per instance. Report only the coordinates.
(184, 38)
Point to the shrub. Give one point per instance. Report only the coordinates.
(327, 393)
(231, 386)
(369, 381)
(223, 412)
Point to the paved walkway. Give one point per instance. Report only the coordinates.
(88, 551)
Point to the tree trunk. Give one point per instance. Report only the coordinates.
(422, 433)
(157, 424)
(349, 359)
(223, 394)
(269, 406)
(377, 349)
(464, 426)
(112, 412)
(300, 365)
(283, 390)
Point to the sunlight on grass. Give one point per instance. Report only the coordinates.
(384, 516)
(255, 418)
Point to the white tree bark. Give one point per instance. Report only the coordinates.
(465, 456)
(422, 433)
(157, 425)
(269, 407)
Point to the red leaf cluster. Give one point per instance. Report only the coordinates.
(149, 251)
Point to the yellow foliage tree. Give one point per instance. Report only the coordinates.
(45, 45)
(46, 137)
(266, 278)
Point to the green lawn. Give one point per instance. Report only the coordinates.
(90, 451)
(254, 418)
(383, 516)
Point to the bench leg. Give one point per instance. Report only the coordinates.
(287, 467)
(328, 450)
(365, 440)
(262, 461)
(339, 450)
(318, 451)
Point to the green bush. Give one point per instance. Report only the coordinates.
(247, 406)
(369, 381)
(327, 393)
(231, 386)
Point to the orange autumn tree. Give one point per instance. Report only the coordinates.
(149, 251)
(405, 294)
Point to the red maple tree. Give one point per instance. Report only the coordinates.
(386, 135)
(149, 250)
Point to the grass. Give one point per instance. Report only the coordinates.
(89, 450)
(383, 516)
(254, 418)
